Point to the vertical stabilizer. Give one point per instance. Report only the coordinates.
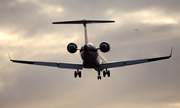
(85, 32)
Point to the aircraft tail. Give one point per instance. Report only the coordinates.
(84, 22)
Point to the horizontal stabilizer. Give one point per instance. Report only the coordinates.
(83, 22)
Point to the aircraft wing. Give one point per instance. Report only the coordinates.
(50, 64)
(132, 62)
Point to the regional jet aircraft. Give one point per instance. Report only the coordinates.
(92, 59)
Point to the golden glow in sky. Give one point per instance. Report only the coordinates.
(147, 16)
(2, 35)
(27, 32)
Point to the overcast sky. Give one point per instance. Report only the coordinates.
(27, 32)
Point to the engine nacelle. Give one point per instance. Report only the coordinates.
(72, 47)
(104, 47)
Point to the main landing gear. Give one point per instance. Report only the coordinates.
(106, 72)
(77, 73)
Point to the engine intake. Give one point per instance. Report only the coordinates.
(104, 47)
(72, 47)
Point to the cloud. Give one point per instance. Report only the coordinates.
(27, 32)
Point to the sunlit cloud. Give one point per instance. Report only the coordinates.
(2, 36)
(174, 105)
(146, 16)
(35, 39)
(38, 44)
(154, 16)
(47, 9)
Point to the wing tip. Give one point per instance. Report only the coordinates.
(171, 52)
(9, 56)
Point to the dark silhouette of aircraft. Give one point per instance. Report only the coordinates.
(90, 55)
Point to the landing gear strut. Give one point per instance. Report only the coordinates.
(77, 73)
(99, 77)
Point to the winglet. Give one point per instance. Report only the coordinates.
(9, 56)
(171, 51)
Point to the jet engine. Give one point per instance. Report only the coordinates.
(72, 47)
(104, 47)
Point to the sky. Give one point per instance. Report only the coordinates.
(27, 33)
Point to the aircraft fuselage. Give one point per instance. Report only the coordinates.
(89, 55)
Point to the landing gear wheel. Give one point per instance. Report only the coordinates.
(104, 73)
(108, 73)
(99, 77)
(75, 74)
(79, 73)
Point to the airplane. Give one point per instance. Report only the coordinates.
(90, 55)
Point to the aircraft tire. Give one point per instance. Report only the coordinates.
(108, 73)
(99, 77)
(104, 73)
(75, 74)
(79, 74)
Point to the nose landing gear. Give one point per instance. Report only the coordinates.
(99, 76)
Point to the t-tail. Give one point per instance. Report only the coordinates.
(84, 22)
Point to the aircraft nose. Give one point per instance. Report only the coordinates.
(85, 47)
